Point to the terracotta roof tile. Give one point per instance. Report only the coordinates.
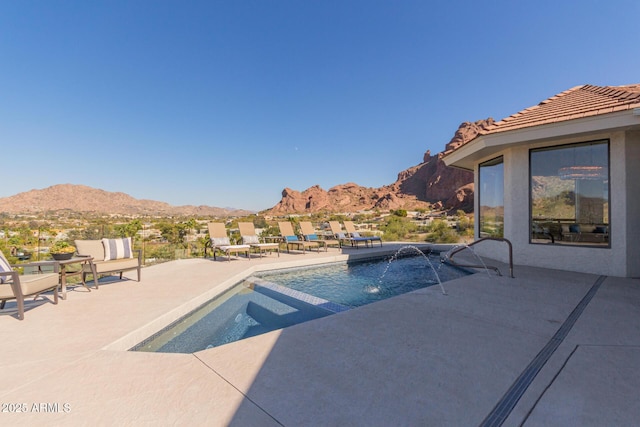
(577, 102)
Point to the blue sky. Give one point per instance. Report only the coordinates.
(226, 103)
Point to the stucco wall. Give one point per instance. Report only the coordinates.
(632, 166)
(614, 261)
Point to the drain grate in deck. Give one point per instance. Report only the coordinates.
(506, 404)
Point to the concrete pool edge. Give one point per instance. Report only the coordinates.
(133, 338)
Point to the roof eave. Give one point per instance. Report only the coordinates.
(486, 146)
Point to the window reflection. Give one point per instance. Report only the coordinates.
(491, 198)
(570, 194)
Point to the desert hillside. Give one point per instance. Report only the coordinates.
(80, 198)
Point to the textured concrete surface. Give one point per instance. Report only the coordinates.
(418, 359)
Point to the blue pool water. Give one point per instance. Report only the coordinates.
(280, 299)
(366, 282)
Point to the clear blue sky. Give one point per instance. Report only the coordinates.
(226, 103)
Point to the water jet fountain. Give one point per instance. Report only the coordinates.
(377, 289)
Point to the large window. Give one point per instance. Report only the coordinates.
(491, 198)
(570, 194)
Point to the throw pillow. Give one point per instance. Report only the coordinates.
(250, 240)
(4, 267)
(220, 241)
(311, 237)
(117, 248)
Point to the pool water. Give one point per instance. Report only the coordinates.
(362, 283)
(246, 310)
(284, 298)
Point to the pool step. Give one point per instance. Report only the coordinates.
(265, 316)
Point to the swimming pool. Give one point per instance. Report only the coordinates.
(283, 298)
(364, 282)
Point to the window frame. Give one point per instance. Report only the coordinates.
(491, 162)
(605, 141)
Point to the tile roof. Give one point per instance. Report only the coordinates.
(578, 102)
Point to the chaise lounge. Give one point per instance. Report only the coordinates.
(291, 239)
(310, 235)
(340, 235)
(356, 237)
(249, 237)
(220, 241)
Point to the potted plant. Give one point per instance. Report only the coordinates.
(61, 251)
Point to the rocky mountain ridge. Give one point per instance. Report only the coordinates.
(81, 198)
(430, 184)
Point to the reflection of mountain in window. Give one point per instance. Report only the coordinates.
(570, 185)
(491, 198)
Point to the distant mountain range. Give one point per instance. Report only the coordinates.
(80, 198)
(430, 184)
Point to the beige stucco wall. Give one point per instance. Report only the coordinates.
(619, 260)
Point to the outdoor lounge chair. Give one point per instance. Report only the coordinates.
(220, 241)
(249, 237)
(340, 235)
(356, 237)
(17, 286)
(291, 239)
(310, 235)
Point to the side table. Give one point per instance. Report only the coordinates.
(64, 272)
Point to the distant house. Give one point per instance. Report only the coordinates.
(561, 181)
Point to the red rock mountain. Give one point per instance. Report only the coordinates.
(80, 198)
(429, 184)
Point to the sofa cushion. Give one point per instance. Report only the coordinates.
(117, 248)
(113, 265)
(92, 248)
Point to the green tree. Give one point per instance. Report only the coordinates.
(441, 232)
(130, 229)
(174, 233)
(398, 228)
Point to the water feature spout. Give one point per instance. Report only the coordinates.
(460, 248)
(416, 250)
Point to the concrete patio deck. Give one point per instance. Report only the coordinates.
(546, 348)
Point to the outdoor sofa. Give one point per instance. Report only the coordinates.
(109, 256)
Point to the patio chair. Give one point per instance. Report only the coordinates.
(220, 241)
(310, 235)
(291, 239)
(18, 286)
(340, 235)
(249, 237)
(351, 229)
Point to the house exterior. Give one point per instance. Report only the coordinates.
(561, 181)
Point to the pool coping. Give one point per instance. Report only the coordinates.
(133, 338)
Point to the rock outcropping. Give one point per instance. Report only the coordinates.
(428, 184)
